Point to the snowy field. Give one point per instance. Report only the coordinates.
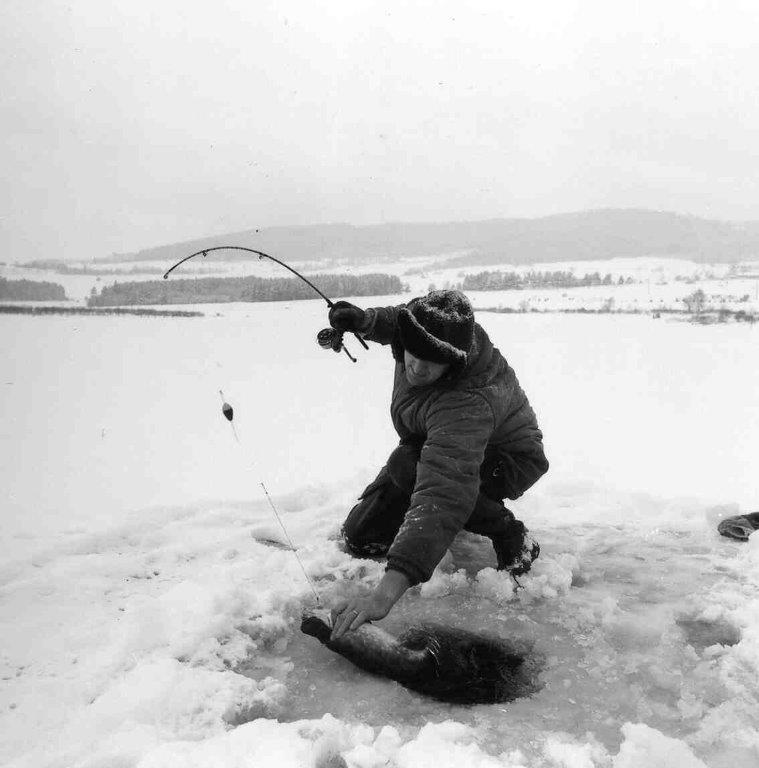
(149, 614)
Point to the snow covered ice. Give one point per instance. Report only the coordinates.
(149, 604)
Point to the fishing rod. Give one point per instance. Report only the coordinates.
(327, 338)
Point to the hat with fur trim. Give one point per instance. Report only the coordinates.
(438, 327)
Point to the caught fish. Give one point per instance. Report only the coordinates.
(447, 664)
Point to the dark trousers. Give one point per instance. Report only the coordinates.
(371, 526)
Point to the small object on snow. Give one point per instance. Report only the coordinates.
(447, 664)
(739, 527)
(269, 542)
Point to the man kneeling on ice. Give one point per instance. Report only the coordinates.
(468, 439)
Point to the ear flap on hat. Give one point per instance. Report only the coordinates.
(417, 340)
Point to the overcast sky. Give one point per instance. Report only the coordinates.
(131, 124)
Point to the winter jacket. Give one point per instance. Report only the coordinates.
(479, 414)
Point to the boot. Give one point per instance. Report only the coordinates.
(739, 527)
(515, 549)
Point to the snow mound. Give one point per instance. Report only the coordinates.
(647, 746)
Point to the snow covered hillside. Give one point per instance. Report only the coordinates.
(149, 610)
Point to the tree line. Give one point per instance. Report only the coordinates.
(218, 290)
(22, 309)
(30, 290)
(501, 281)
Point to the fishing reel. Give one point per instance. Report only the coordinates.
(331, 338)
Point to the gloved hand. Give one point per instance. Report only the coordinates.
(344, 316)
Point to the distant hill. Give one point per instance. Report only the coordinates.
(587, 235)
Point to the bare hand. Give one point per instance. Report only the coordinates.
(351, 614)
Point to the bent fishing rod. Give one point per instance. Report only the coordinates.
(327, 338)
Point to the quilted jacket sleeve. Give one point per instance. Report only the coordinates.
(381, 324)
(459, 424)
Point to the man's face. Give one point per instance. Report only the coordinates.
(422, 373)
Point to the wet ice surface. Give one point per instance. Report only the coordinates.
(626, 642)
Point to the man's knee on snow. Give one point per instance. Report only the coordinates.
(371, 526)
(365, 548)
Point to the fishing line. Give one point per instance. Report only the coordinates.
(229, 413)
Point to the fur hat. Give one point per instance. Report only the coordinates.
(438, 327)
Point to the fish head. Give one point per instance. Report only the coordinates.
(318, 624)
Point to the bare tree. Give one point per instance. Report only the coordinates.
(695, 302)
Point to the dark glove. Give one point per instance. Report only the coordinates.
(344, 316)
